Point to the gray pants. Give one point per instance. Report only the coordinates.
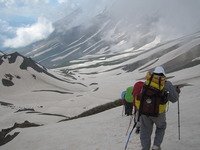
(146, 123)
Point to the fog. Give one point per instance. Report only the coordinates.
(167, 19)
(171, 18)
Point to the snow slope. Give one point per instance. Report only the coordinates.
(107, 130)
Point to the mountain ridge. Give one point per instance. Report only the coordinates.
(101, 35)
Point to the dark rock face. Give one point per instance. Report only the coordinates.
(7, 82)
(27, 62)
(5, 137)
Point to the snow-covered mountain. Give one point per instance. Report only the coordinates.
(99, 35)
(84, 66)
(81, 75)
(1, 53)
(101, 38)
(184, 52)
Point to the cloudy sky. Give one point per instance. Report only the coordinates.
(25, 21)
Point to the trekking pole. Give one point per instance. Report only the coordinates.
(129, 124)
(123, 110)
(129, 136)
(136, 121)
(179, 136)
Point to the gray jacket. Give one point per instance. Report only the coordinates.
(174, 96)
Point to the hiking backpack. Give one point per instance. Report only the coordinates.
(129, 94)
(152, 99)
(137, 90)
(123, 96)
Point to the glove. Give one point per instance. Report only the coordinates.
(178, 90)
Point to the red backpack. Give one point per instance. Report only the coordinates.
(137, 90)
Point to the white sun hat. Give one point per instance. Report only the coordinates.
(159, 70)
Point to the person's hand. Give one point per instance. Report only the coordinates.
(178, 90)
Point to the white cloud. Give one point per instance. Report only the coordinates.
(7, 3)
(171, 18)
(13, 2)
(62, 1)
(31, 33)
(38, 1)
(4, 26)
